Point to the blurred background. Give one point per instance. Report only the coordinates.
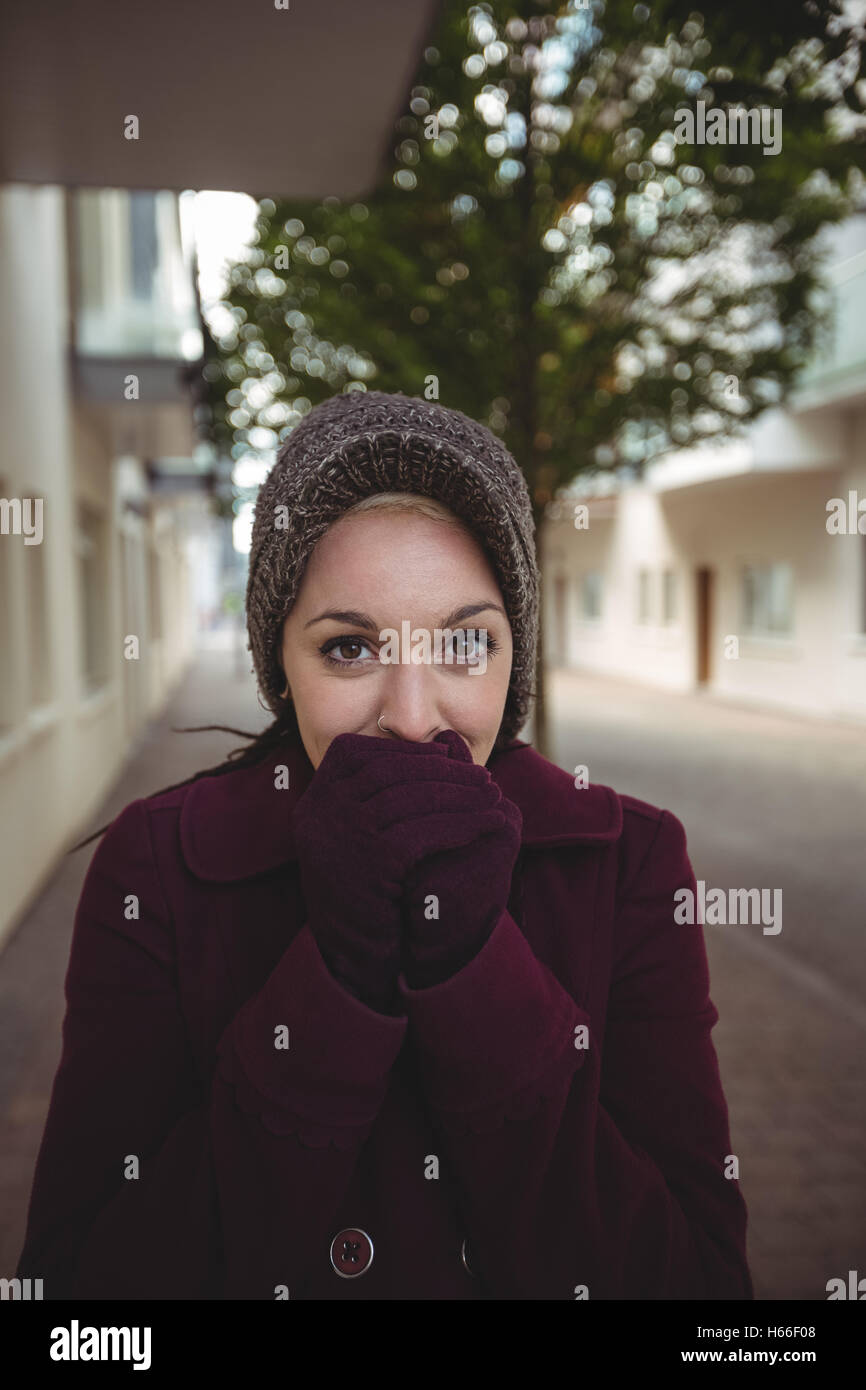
(212, 220)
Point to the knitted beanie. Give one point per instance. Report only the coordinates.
(363, 442)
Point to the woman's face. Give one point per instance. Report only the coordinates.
(377, 570)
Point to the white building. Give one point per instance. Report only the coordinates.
(718, 571)
(98, 303)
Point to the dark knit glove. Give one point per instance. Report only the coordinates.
(471, 883)
(352, 832)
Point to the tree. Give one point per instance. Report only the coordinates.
(553, 251)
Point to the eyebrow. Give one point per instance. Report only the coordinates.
(363, 620)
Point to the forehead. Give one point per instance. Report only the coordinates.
(393, 550)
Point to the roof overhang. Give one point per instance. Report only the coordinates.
(297, 101)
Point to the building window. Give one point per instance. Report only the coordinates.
(144, 248)
(92, 580)
(590, 595)
(768, 600)
(669, 596)
(643, 596)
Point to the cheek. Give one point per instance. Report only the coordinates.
(482, 695)
(330, 701)
(306, 667)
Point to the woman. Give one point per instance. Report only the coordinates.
(387, 1007)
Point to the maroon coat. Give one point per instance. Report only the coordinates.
(549, 1123)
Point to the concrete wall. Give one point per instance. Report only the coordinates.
(61, 746)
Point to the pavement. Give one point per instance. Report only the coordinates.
(766, 800)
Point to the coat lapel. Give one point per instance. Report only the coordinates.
(238, 824)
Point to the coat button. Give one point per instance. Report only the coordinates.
(465, 1257)
(351, 1253)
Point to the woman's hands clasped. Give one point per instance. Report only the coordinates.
(405, 854)
(454, 895)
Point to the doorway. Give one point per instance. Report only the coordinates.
(704, 622)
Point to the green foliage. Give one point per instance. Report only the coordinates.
(542, 254)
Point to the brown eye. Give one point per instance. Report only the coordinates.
(355, 645)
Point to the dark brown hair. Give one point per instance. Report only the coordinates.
(284, 726)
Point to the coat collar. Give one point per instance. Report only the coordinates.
(238, 824)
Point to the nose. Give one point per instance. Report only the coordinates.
(410, 706)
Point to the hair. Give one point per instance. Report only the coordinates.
(406, 502)
(285, 725)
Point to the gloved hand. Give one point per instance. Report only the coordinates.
(471, 882)
(353, 831)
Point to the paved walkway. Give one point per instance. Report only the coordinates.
(765, 801)
(217, 689)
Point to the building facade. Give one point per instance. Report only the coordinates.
(740, 568)
(97, 612)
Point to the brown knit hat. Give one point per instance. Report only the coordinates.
(364, 442)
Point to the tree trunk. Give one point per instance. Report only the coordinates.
(523, 385)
